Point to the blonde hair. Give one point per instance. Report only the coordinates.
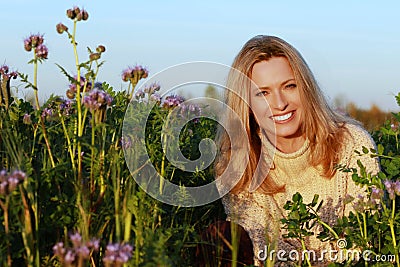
(323, 127)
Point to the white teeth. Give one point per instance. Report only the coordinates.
(283, 117)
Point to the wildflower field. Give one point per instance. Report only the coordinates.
(69, 198)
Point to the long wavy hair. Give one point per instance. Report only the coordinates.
(323, 127)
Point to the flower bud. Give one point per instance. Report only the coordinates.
(28, 44)
(101, 49)
(70, 94)
(79, 16)
(61, 28)
(27, 119)
(85, 14)
(71, 14)
(76, 10)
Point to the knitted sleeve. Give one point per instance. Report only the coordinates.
(359, 138)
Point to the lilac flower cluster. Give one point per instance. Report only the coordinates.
(152, 88)
(71, 92)
(393, 188)
(137, 73)
(139, 94)
(191, 108)
(78, 14)
(172, 101)
(9, 181)
(155, 97)
(27, 119)
(97, 99)
(126, 142)
(49, 113)
(4, 72)
(79, 250)
(117, 254)
(35, 41)
(66, 107)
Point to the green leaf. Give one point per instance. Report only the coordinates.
(315, 200)
(381, 149)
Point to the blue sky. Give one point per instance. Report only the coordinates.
(353, 47)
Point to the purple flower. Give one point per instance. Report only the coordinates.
(190, 110)
(388, 184)
(155, 97)
(4, 71)
(78, 251)
(3, 188)
(152, 88)
(82, 81)
(139, 94)
(49, 114)
(97, 99)
(397, 188)
(9, 182)
(83, 252)
(117, 254)
(76, 239)
(126, 142)
(376, 193)
(33, 41)
(138, 72)
(66, 107)
(69, 257)
(27, 119)
(173, 101)
(93, 244)
(41, 51)
(390, 188)
(59, 249)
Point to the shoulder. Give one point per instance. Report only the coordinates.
(358, 137)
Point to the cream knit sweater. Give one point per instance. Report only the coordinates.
(260, 214)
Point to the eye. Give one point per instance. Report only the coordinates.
(262, 93)
(291, 86)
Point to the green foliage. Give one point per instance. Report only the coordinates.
(78, 180)
(374, 225)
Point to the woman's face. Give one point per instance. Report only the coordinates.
(281, 118)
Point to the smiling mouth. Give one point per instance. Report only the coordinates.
(283, 118)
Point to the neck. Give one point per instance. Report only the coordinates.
(287, 144)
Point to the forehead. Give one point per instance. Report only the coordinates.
(274, 70)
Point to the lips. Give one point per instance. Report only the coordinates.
(283, 118)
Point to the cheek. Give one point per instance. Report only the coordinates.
(260, 108)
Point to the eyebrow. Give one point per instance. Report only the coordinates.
(266, 87)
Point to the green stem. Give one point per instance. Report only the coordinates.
(360, 225)
(4, 206)
(392, 231)
(117, 187)
(35, 83)
(92, 156)
(365, 227)
(71, 153)
(304, 249)
(329, 228)
(235, 243)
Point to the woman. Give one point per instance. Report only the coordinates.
(295, 142)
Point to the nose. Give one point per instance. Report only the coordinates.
(279, 101)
